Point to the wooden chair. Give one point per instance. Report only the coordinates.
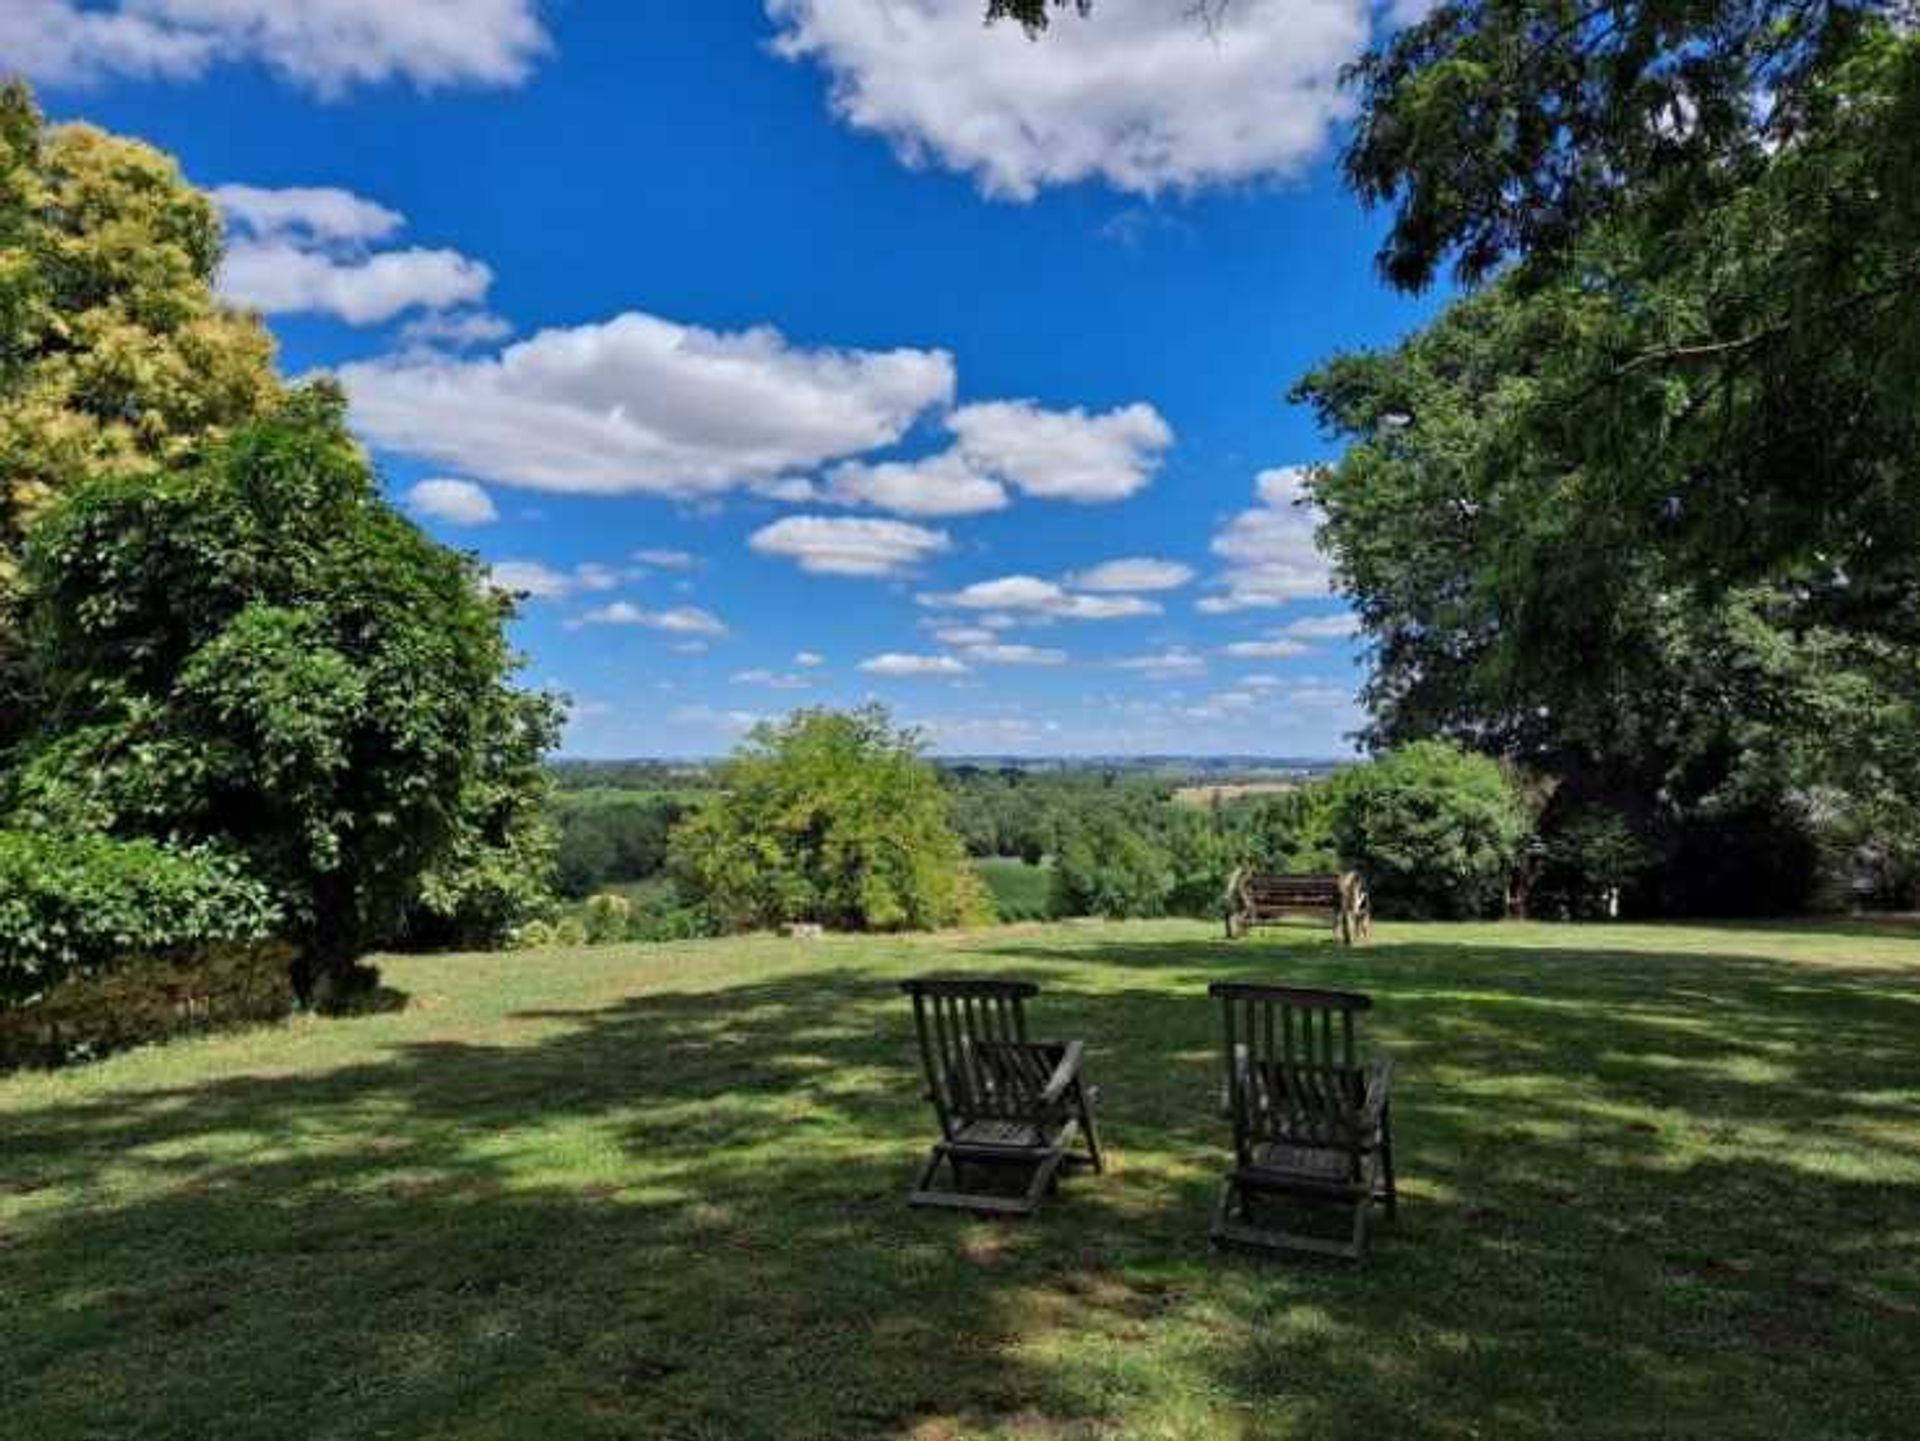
(1311, 1120)
(1005, 1102)
(1258, 899)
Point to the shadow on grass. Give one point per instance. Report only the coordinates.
(1646, 1192)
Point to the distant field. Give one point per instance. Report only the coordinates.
(1204, 796)
(1020, 892)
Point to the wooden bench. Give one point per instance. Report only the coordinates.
(1258, 899)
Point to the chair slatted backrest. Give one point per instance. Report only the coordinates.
(1293, 1064)
(974, 1047)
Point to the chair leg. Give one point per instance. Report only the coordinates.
(1094, 1153)
(1389, 1193)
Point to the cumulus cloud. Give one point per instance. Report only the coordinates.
(1029, 596)
(996, 653)
(837, 545)
(1063, 454)
(308, 213)
(456, 329)
(1325, 627)
(457, 502)
(959, 635)
(680, 620)
(1134, 573)
(1147, 96)
(943, 484)
(1175, 661)
(641, 404)
(771, 679)
(327, 46)
(302, 250)
(541, 581)
(896, 663)
(809, 658)
(667, 559)
(1273, 648)
(1269, 553)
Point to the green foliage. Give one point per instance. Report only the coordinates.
(608, 917)
(115, 353)
(1433, 829)
(81, 904)
(1291, 834)
(611, 838)
(257, 651)
(829, 817)
(1109, 867)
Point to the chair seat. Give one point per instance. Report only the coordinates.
(1008, 1135)
(1277, 1161)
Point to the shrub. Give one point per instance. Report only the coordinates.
(149, 998)
(1434, 829)
(608, 918)
(1591, 858)
(84, 903)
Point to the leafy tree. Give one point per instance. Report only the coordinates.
(115, 354)
(829, 817)
(1109, 865)
(255, 650)
(1434, 829)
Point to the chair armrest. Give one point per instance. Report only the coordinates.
(1065, 1075)
(1379, 1083)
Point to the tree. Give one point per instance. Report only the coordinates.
(829, 817)
(115, 354)
(1434, 829)
(254, 650)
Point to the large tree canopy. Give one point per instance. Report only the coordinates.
(256, 651)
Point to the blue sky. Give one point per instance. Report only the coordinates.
(813, 351)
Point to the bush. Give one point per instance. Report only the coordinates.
(608, 918)
(1592, 858)
(1435, 830)
(71, 905)
(145, 999)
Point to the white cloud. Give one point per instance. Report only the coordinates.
(456, 329)
(1134, 573)
(667, 559)
(1269, 551)
(1177, 660)
(961, 635)
(1319, 697)
(772, 680)
(832, 545)
(1145, 96)
(306, 213)
(943, 484)
(1030, 596)
(680, 620)
(1063, 454)
(543, 582)
(809, 658)
(1274, 648)
(457, 502)
(1326, 627)
(282, 279)
(302, 250)
(326, 46)
(640, 404)
(993, 653)
(894, 663)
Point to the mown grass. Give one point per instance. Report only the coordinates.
(1657, 1182)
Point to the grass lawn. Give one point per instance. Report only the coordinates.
(1656, 1182)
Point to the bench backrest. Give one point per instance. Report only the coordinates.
(1293, 1064)
(1293, 890)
